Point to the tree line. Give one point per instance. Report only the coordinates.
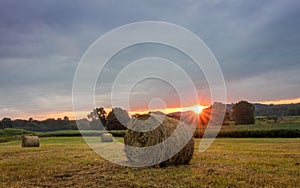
(241, 113)
(98, 119)
(49, 124)
(277, 110)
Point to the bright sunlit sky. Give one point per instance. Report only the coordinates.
(256, 43)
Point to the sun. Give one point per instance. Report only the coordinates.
(198, 109)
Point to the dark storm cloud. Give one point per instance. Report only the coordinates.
(41, 43)
(250, 38)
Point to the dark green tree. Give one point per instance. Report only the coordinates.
(117, 119)
(243, 113)
(96, 115)
(66, 118)
(7, 123)
(275, 112)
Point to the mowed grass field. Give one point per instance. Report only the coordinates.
(229, 162)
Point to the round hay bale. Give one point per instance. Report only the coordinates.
(106, 137)
(30, 141)
(170, 143)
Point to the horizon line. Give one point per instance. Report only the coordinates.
(71, 114)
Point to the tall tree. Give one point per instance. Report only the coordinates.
(7, 123)
(117, 119)
(98, 114)
(66, 118)
(243, 113)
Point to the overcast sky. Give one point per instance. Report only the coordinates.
(256, 43)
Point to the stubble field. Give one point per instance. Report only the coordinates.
(229, 162)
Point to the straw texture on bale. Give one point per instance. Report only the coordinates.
(175, 151)
(106, 137)
(30, 141)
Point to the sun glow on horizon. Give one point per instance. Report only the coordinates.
(283, 101)
(198, 109)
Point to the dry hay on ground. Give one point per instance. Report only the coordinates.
(30, 141)
(161, 143)
(106, 137)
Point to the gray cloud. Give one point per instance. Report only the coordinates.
(41, 42)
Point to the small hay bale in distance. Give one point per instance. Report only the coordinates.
(165, 129)
(31, 141)
(106, 137)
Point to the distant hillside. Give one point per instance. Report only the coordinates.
(270, 109)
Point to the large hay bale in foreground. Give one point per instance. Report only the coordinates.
(30, 141)
(106, 137)
(169, 143)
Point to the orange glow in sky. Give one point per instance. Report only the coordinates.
(285, 101)
(83, 114)
(196, 108)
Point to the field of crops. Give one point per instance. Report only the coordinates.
(288, 127)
